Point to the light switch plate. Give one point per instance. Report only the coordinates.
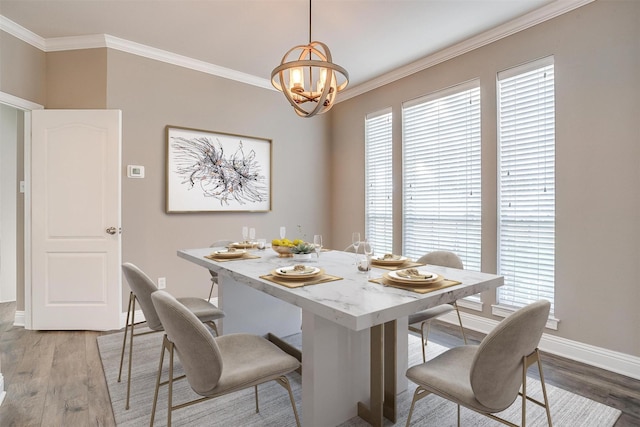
(135, 171)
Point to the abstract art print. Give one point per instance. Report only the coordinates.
(213, 171)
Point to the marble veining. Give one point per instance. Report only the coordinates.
(353, 302)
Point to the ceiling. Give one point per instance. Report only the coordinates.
(369, 38)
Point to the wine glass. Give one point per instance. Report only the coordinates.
(355, 239)
(245, 233)
(317, 243)
(252, 234)
(367, 248)
(283, 232)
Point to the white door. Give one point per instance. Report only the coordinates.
(75, 219)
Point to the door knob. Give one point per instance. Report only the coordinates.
(111, 230)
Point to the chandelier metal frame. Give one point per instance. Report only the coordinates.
(298, 86)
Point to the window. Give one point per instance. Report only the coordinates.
(526, 217)
(441, 174)
(379, 181)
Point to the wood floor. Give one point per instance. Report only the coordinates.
(56, 378)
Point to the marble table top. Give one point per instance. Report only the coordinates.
(354, 302)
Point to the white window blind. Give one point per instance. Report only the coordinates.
(526, 221)
(379, 181)
(441, 174)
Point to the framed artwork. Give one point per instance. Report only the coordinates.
(214, 172)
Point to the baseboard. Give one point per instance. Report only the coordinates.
(2, 392)
(19, 318)
(610, 360)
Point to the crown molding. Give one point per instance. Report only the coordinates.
(19, 32)
(185, 62)
(19, 103)
(528, 20)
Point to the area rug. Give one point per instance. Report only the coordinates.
(567, 409)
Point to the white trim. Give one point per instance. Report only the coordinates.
(528, 20)
(27, 220)
(2, 392)
(186, 62)
(470, 304)
(22, 104)
(505, 311)
(610, 360)
(18, 319)
(19, 32)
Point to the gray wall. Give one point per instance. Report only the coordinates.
(597, 66)
(152, 95)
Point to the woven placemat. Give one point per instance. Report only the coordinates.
(439, 284)
(300, 283)
(406, 264)
(218, 259)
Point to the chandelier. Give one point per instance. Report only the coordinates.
(309, 81)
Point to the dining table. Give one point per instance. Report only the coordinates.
(354, 326)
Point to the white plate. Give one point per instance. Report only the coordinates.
(396, 260)
(393, 275)
(229, 254)
(243, 245)
(291, 272)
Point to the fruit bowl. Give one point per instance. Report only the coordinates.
(283, 251)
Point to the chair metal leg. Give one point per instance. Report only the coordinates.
(256, 393)
(155, 395)
(424, 338)
(458, 415)
(213, 326)
(544, 390)
(284, 382)
(213, 283)
(524, 392)
(170, 391)
(419, 394)
(124, 341)
(464, 337)
(133, 322)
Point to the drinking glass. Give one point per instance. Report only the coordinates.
(283, 232)
(245, 233)
(252, 234)
(355, 239)
(317, 243)
(367, 248)
(364, 264)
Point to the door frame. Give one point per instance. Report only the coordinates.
(24, 318)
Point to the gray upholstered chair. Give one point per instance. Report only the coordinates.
(487, 378)
(216, 366)
(141, 289)
(214, 275)
(424, 317)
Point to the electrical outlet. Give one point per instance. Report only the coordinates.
(162, 282)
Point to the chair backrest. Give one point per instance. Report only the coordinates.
(442, 258)
(142, 287)
(496, 371)
(221, 243)
(350, 248)
(196, 347)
